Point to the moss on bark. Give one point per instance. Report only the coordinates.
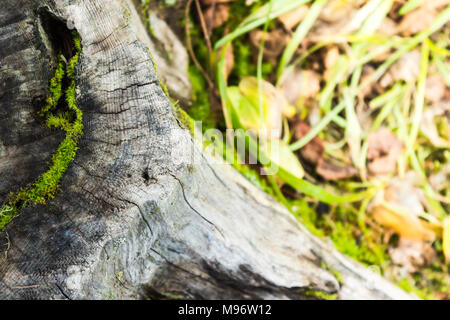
(69, 120)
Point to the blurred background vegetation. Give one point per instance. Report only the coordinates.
(350, 100)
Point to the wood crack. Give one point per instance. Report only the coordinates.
(193, 209)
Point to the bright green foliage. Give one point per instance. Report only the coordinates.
(307, 216)
(201, 107)
(7, 213)
(342, 228)
(71, 121)
(253, 177)
(321, 295)
(344, 240)
(55, 89)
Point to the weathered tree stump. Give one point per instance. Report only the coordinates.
(136, 217)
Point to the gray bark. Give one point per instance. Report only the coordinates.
(137, 217)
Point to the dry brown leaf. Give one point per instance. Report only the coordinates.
(388, 27)
(405, 192)
(338, 10)
(300, 84)
(435, 88)
(417, 20)
(446, 238)
(428, 127)
(312, 151)
(441, 179)
(229, 60)
(330, 60)
(293, 17)
(216, 16)
(399, 207)
(435, 4)
(333, 172)
(210, 2)
(383, 150)
(404, 224)
(412, 254)
(366, 79)
(274, 44)
(406, 69)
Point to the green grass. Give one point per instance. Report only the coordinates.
(300, 34)
(345, 223)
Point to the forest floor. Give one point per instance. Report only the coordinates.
(350, 101)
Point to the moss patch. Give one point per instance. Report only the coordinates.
(69, 120)
(321, 295)
(341, 225)
(201, 106)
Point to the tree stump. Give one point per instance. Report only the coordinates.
(142, 211)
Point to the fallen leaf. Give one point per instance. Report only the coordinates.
(312, 151)
(404, 224)
(274, 44)
(435, 88)
(436, 4)
(388, 27)
(406, 69)
(400, 207)
(245, 102)
(246, 115)
(336, 18)
(300, 84)
(412, 254)
(210, 2)
(331, 57)
(417, 20)
(338, 10)
(293, 17)
(216, 16)
(334, 172)
(330, 60)
(441, 180)
(428, 127)
(366, 79)
(446, 239)
(383, 150)
(405, 192)
(229, 60)
(279, 153)
(271, 95)
(422, 17)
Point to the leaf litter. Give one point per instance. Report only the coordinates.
(352, 99)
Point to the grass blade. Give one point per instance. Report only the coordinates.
(318, 128)
(300, 34)
(258, 19)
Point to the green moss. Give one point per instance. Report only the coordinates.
(407, 285)
(70, 121)
(334, 272)
(345, 241)
(341, 225)
(253, 176)
(321, 295)
(201, 107)
(307, 215)
(430, 283)
(7, 213)
(184, 118)
(172, 296)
